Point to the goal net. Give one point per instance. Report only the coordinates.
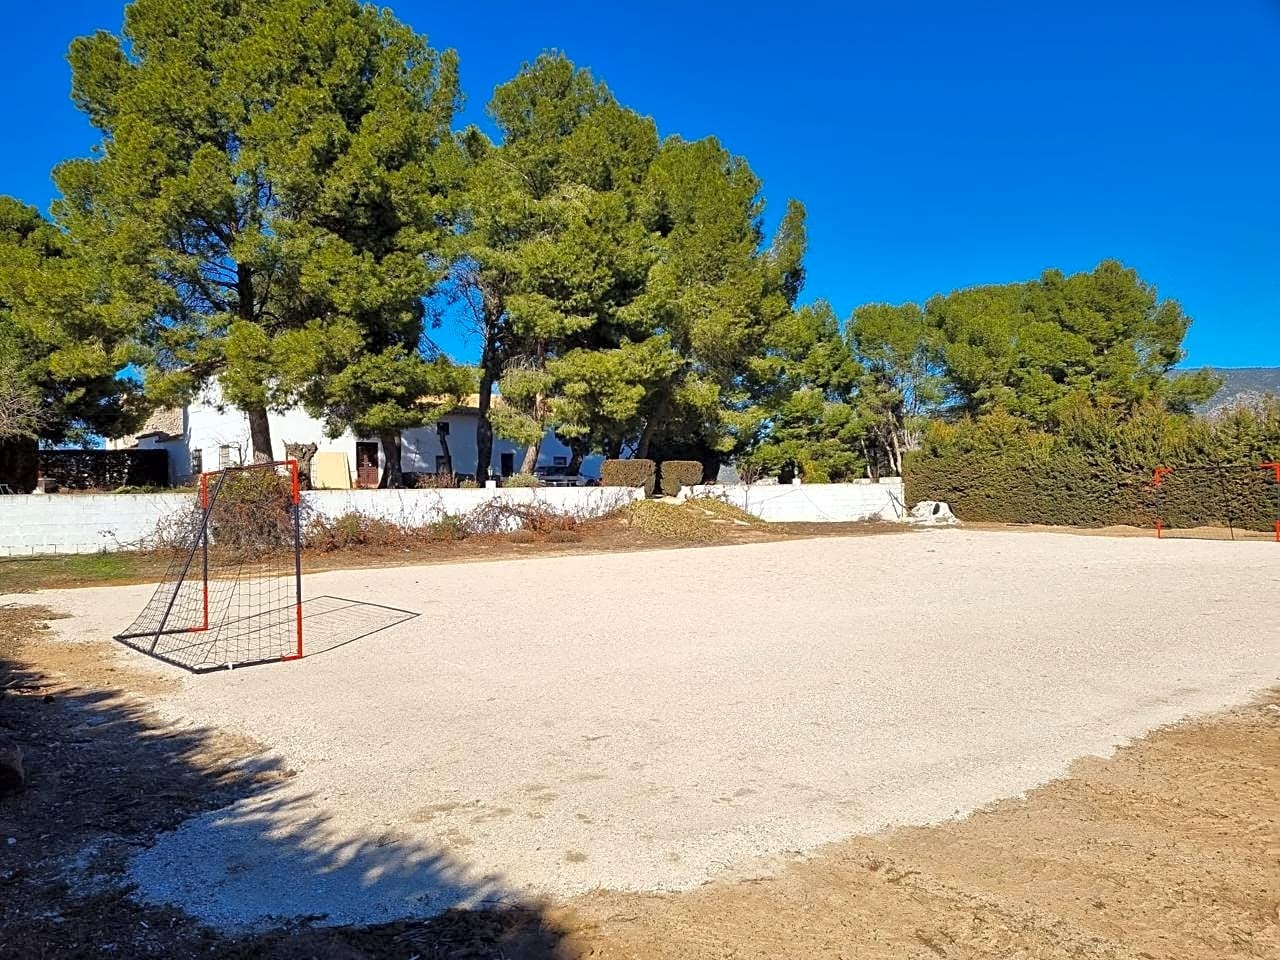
(1239, 501)
(232, 595)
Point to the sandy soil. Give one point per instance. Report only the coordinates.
(654, 721)
(1171, 849)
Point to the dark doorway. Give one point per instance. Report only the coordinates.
(508, 464)
(367, 464)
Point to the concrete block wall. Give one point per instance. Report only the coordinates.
(92, 523)
(83, 522)
(813, 502)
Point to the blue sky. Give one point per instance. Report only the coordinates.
(936, 145)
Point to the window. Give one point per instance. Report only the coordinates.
(224, 456)
(197, 462)
(508, 461)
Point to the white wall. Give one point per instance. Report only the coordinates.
(89, 523)
(813, 502)
(83, 522)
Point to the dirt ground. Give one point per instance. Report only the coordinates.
(1169, 849)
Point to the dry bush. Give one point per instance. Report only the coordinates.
(669, 521)
(564, 536)
(431, 481)
(504, 516)
(252, 512)
(352, 530)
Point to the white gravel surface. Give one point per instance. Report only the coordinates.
(654, 720)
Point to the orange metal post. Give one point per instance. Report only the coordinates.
(1275, 467)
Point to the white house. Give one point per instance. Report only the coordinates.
(209, 434)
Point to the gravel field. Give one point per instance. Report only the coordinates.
(650, 721)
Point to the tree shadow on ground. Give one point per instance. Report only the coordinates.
(108, 777)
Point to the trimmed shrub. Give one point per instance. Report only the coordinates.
(105, 469)
(1097, 470)
(521, 480)
(674, 474)
(628, 473)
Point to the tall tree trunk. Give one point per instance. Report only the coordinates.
(259, 434)
(531, 456)
(392, 478)
(259, 425)
(895, 453)
(492, 311)
(660, 414)
(484, 428)
(444, 446)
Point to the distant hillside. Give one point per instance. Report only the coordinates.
(1242, 385)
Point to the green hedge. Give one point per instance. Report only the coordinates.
(674, 474)
(628, 473)
(1098, 469)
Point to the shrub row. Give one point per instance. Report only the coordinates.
(1098, 469)
(629, 473)
(674, 474)
(669, 477)
(105, 469)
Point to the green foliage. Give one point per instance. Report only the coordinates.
(553, 248)
(675, 474)
(805, 389)
(1097, 469)
(628, 473)
(1031, 348)
(521, 480)
(900, 382)
(268, 192)
(63, 340)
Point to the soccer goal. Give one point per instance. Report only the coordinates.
(232, 595)
(1203, 500)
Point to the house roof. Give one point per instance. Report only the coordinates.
(470, 403)
(164, 423)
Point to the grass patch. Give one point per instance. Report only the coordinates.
(23, 574)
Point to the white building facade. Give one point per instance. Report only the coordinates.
(209, 434)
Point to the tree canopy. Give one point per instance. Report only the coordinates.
(279, 201)
(272, 181)
(65, 336)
